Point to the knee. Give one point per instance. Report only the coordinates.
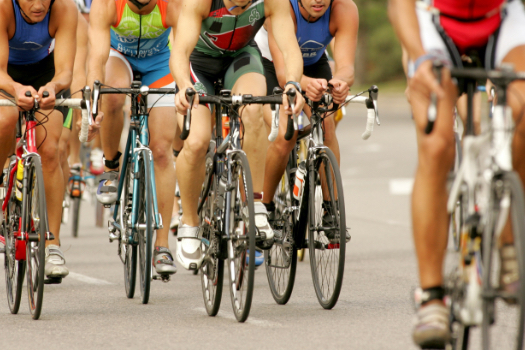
(195, 148)
(7, 124)
(252, 119)
(436, 153)
(50, 155)
(281, 147)
(162, 155)
(113, 103)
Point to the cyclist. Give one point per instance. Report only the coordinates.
(128, 38)
(445, 30)
(317, 23)
(215, 41)
(38, 36)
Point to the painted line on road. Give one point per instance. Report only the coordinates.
(87, 279)
(250, 320)
(401, 186)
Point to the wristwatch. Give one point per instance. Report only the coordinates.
(296, 84)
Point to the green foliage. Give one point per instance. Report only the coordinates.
(378, 52)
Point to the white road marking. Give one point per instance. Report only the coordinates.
(251, 320)
(87, 279)
(401, 186)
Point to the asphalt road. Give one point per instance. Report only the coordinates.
(90, 309)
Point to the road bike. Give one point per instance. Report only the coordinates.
(491, 193)
(310, 199)
(136, 213)
(226, 209)
(25, 229)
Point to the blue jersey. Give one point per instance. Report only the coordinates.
(31, 42)
(313, 37)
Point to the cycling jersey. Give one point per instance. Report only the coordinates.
(31, 42)
(469, 23)
(223, 33)
(313, 37)
(140, 35)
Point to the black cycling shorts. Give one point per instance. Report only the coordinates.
(320, 70)
(37, 75)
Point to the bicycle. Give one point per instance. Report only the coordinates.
(310, 199)
(490, 191)
(25, 228)
(226, 208)
(136, 212)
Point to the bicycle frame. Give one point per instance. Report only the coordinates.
(137, 142)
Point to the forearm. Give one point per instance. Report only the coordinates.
(293, 61)
(7, 83)
(346, 74)
(403, 16)
(180, 68)
(62, 80)
(96, 68)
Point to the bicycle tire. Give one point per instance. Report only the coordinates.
(14, 269)
(241, 245)
(512, 183)
(76, 216)
(212, 269)
(145, 217)
(280, 260)
(127, 251)
(326, 253)
(36, 222)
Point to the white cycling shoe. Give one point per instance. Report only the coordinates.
(189, 251)
(264, 230)
(55, 262)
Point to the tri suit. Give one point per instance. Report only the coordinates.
(488, 29)
(31, 56)
(142, 43)
(312, 37)
(226, 49)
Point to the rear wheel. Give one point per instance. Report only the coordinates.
(212, 269)
(76, 216)
(327, 231)
(36, 224)
(241, 245)
(145, 224)
(14, 269)
(281, 259)
(504, 322)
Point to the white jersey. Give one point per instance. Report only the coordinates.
(261, 38)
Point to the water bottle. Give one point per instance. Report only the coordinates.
(19, 178)
(299, 181)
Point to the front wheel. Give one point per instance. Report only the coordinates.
(145, 224)
(76, 216)
(37, 226)
(327, 229)
(504, 305)
(241, 243)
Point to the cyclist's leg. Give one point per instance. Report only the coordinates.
(119, 75)
(8, 120)
(177, 147)
(63, 145)
(47, 137)
(190, 174)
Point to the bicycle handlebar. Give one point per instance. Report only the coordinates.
(235, 100)
(275, 116)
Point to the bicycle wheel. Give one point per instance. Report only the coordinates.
(281, 259)
(327, 231)
(241, 245)
(76, 216)
(145, 224)
(14, 269)
(507, 330)
(37, 226)
(212, 269)
(457, 216)
(127, 251)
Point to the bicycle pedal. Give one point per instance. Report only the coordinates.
(113, 236)
(192, 267)
(163, 278)
(107, 206)
(53, 280)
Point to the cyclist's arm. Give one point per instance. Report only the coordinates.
(65, 15)
(403, 16)
(79, 68)
(281, 22)
(103, 15)
(187, 33)
(346, 19)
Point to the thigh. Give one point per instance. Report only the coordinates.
(118, 75)
(48, 133)
(247, 65)
(516, 95)
(162, 124)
